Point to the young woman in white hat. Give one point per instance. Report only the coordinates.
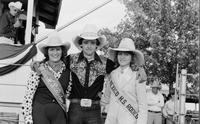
(125, 92)
(44, 102)
(9, 23)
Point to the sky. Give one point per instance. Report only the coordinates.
(107, 16)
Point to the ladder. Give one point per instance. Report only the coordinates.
(180, 91)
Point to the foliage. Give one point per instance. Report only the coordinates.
(166, 31)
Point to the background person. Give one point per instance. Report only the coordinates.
(171, 108)
(155, 101)
(44, 102)
(9, 22)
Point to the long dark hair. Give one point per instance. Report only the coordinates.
(132, 63)
(63, 56)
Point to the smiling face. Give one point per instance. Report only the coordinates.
(155, 90)
(89, 47)
(14, 11)
(124, 58)
(54, 53)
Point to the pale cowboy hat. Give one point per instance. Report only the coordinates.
(90, 32)
(156, 83)
(127, 45)
(17, 5)
(52, 41)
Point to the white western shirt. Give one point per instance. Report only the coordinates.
(155, 101)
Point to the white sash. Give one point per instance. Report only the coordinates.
(123, 99)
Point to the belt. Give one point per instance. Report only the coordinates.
(154, 111)
(94, 102)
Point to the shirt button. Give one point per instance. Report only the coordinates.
(53, 100)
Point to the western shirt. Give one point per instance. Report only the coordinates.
(155, 101)
(88, 76)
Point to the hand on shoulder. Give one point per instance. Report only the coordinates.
(141, 75)
(35, 66)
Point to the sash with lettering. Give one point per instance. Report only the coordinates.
(54, 86)
(123, 99)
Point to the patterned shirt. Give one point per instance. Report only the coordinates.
(88, 77)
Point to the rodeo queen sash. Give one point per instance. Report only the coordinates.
(53, 85)
(123, 99)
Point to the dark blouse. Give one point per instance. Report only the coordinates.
(43, 94)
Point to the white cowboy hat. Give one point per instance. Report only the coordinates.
(53, 40)
(90, 32)
(156, 83)
(127, 44)
(17, 5)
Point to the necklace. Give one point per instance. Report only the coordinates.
(56, 66)
(56, 72)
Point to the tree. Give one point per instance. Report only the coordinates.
(166, 31)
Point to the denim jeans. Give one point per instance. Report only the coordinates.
(84, 115)
(50, 113)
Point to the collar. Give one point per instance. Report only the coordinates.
(126, 70)
(81, 57)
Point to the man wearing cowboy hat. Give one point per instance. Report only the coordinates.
(88, 71)
(9, 24)
(155, 102)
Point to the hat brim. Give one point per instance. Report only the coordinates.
(139, 57)
(20, 10)
(101, 39)
(43, 46)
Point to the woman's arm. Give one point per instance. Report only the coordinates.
(107, 92)
(32, 85)
(142, 102)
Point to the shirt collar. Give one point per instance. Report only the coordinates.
(126, 70)
(96, 57)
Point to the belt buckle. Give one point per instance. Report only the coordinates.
(86, 102)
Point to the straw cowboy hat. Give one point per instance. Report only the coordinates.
(53, 40)
(127, 44)
(156, 83)
(17, 5)
(90, 32)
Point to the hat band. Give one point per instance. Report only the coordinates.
(89, 34)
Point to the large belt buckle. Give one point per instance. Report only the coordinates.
(86, 102)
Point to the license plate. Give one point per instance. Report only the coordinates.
(86, 102)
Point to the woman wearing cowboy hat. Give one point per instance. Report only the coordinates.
(155, 103)
(124, 92)
(9, 23)
(44, 102)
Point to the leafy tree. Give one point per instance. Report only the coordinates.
(166, 31)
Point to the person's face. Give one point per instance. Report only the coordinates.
(173, 97)
(54, 53)
(155, 90)
(124, 58)
(89, 47)
(14, 11)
